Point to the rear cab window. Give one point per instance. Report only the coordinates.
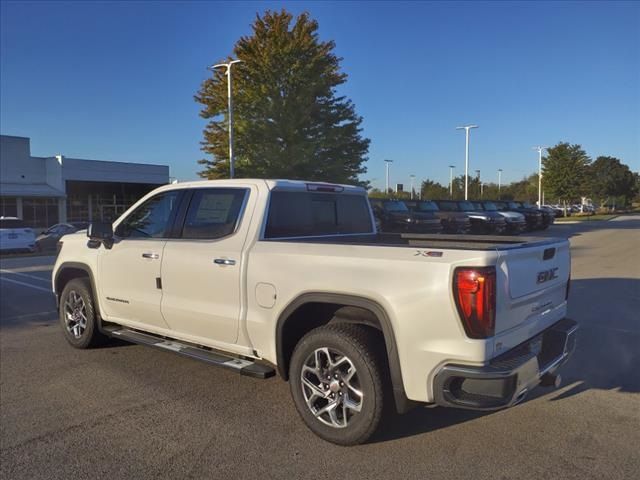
(314, 214)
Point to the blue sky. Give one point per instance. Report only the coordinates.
(115, 80)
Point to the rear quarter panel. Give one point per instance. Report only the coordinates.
(413, 289)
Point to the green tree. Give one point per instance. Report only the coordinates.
(289, 121)
(431, 190)
(608, 178)
(565, 172)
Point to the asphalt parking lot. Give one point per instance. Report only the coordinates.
(127, 411)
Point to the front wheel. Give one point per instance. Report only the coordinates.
(78, 317)
(336, 382)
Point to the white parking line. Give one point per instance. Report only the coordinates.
(34, 277)
(26, 284)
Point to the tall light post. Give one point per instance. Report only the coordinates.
(466, 129)
(411, 178)
(386, 176)
(228, 66)
(451, 167)
(539, 149)
(499, 180)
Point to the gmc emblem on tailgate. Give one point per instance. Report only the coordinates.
(547, 275)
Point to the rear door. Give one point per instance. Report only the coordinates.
(202, 268)
(534, 283)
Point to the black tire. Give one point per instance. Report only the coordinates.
(90, 335)
(358, 344)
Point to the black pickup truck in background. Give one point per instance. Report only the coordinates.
(452, 222)
(394, 216)
(481, 222)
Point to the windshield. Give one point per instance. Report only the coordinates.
(395, 207)
(427, 207)
(514, 205)
(478, 206)
(527, 205)
(490, 206)
(466, 206)
(448, 206)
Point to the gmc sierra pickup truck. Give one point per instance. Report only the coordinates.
(265, 275)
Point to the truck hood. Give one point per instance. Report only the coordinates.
(513, 216)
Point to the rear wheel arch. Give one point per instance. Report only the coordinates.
(312, 310)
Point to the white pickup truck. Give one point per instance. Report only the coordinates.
(265, 275)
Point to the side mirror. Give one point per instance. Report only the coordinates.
(101, 232)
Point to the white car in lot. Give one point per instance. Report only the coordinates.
(16, 236)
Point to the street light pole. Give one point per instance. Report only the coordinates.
(412, 177)
(539, 149)
(228, 66)
(499, 180)
(386, 178)
(451, 167)
(466, 158)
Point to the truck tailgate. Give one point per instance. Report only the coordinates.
(532, 283)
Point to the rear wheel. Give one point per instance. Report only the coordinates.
(78, 317)
(337, 383)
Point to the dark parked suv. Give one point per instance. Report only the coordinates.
(548, 217)
(452, 222)
(533, 217)
(481, 222)
(515, 221)
(395, 216)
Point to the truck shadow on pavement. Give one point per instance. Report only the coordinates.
(607, 355)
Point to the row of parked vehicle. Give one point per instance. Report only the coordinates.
(16, 235)
(495, 217)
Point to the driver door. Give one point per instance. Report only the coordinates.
(129, 272)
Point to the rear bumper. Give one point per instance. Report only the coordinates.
(508, 378)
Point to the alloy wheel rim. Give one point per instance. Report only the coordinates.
(331, 387)
(75, 313)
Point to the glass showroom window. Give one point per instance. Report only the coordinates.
(40, 212)
(8, 207)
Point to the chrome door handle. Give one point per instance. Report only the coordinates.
(154, 256)
(224, 261)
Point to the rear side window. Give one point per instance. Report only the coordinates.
(213, 213)
(309, 214)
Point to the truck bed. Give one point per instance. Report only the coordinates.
(417, 240)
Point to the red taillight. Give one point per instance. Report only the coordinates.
(474, 290)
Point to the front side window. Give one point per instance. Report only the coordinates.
(213, 213)
(308, 214)
(490, 206)
(466, 206)
(152, 219)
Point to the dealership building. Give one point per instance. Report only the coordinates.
(44, 191)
